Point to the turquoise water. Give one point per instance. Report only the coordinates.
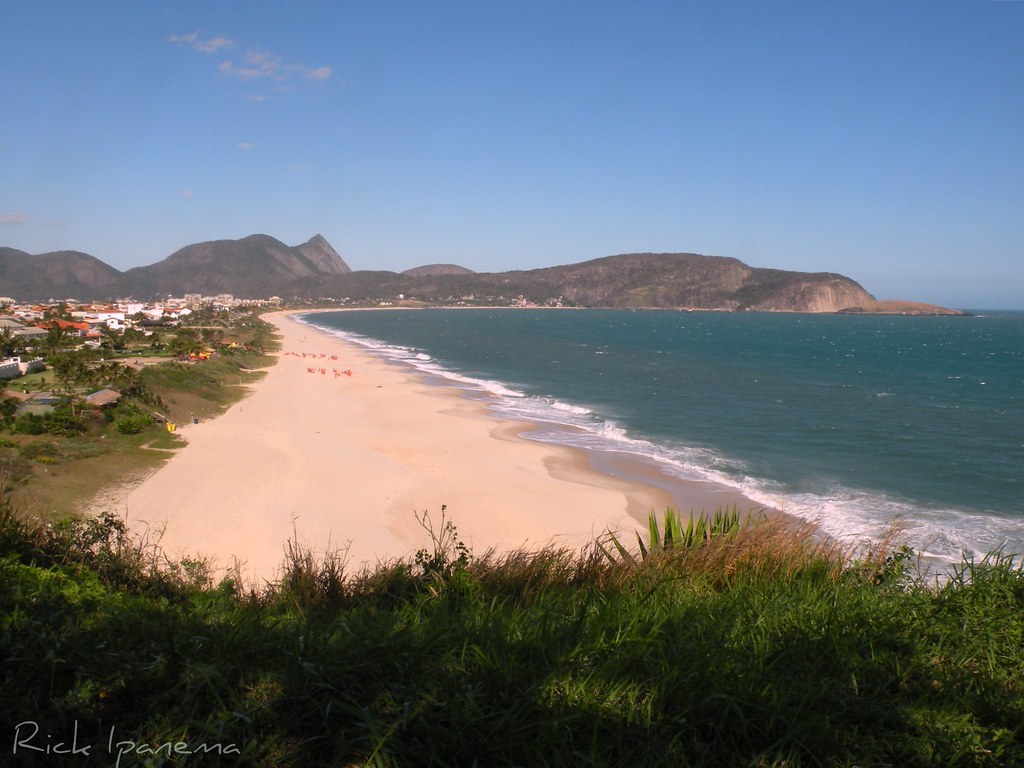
(854, 422)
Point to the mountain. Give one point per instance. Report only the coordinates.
(693, 281)
(57, 275)
(320, 253)
(429, 270)
(638, 280)
(260, 265)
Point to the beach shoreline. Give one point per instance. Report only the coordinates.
(339, 449)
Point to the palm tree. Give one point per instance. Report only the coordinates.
(8, 410)
(56, 340)
(71, 369)
(7, 342)
(132, 336)
(212, 336)
(186, 342)
(112, 340)
(60, 310)
(124, 379)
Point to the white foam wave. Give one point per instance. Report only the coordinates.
(849, 515)
(423, 362)
(854, 516)
(577, 409)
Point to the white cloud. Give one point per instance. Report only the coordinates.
(257, 97)
(254, 65)
(246, 146)
(13, 218)
(215, 44)
(193, 41)
(186, 192)
(244, 73)
(320, 73)
(257, 64)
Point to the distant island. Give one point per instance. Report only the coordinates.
(262, 266)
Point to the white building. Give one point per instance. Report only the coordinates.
(113, 320)
(13, 367)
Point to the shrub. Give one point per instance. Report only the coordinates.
(132, 425)
(38, 450)
(699, 530)
(62, 421)
(29, 424)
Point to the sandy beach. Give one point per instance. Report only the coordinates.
(339, 461)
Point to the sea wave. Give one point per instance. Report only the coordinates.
(421, 361)
(846, 514)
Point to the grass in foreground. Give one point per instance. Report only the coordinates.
(760, 648)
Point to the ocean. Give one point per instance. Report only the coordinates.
(858, 423)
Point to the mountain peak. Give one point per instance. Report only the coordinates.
(322, 254)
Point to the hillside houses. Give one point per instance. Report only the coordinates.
(81, 320)
(26, 326)
(90, 324)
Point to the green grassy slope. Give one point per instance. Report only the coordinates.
(763, 648)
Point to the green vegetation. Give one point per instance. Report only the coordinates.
(91, 448)
(202, 390)
(699, 530)
(758, 647)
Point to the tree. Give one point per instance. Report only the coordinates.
(186, 342)
(71, 369)
(212, 336)
(9, 342)
(133, 336)
(113, 341)
(8, 410)
(123, 378)
(56, 340)
(60, 311)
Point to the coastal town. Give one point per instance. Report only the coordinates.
(24, 327)
(77, 368)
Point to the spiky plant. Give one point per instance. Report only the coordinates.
(672, 534)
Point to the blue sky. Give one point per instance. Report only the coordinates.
(882, 140)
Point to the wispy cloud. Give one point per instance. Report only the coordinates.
(12, 218)
(254, 65)
(246, 146)
(196, 43)
(320, 73)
